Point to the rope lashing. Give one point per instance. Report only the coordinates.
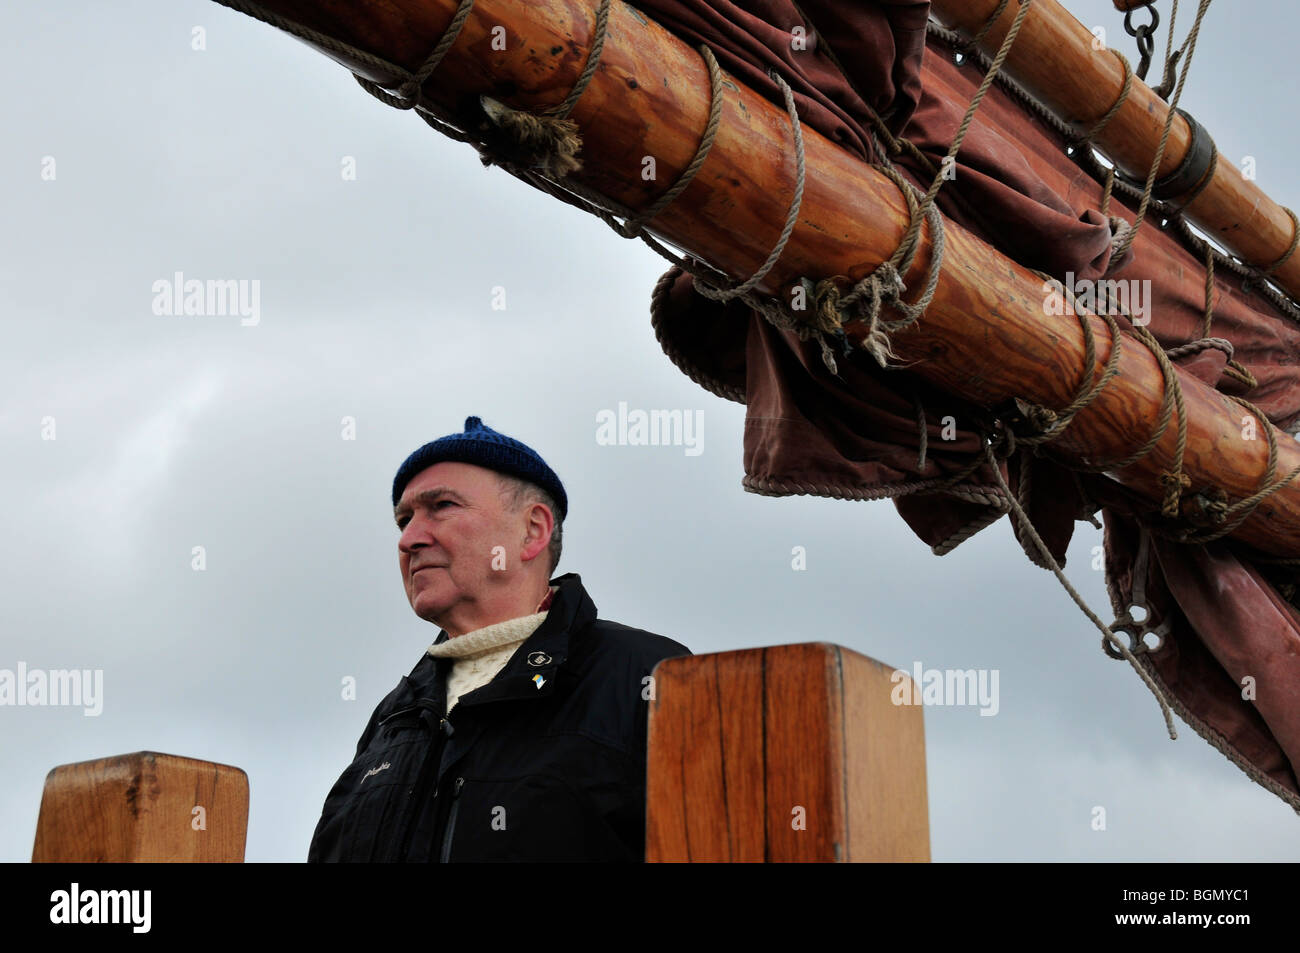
(1111, 113)
(1286, 255)
(885, 284)
(633, 225)
(715, 293)
(1229, 517)
(547, 140)
(411, 93)
(832, 308)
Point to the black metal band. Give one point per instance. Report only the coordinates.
(1195, 165)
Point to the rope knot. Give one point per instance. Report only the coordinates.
(1174, 484)
(530, 140)
(883, 286)
(1041, 419)
(826, 298)
(1121, 236)
(1207, 508)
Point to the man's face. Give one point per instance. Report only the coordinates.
(451, 516)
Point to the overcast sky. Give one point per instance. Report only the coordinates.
(175, 432)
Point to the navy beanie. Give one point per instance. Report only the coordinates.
(484, 447)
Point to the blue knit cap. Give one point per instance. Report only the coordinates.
(484, 447)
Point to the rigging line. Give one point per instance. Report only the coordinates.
(1126, 242)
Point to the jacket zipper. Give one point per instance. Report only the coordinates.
(389, 717)
(451, 821)
(416, 794)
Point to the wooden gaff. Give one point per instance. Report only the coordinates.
(985, 337)
(1054, 60)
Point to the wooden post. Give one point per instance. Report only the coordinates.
(143, 807)
(790, 753)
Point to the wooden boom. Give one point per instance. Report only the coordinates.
(985, 336)
(1054, 60)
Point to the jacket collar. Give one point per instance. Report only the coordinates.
(543, 653)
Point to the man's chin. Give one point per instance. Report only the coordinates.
(429, 609)
(432, 613)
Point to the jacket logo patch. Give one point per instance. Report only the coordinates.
(373, 771)
(539, 680)
(538, 659)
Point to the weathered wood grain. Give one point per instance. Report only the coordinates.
(141, 807)
(789, 753)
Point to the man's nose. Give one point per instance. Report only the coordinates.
(416, 534)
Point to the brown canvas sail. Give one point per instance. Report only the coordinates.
(854, 433)
(1222, 628)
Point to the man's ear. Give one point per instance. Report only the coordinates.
(537, 531)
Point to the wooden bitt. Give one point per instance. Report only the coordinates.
(142, 807)
(985, 337)
(1054, 60)
(790, 753)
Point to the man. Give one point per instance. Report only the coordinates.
(521, 732)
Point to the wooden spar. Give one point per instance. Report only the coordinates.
(985, 337)
(1054, 60)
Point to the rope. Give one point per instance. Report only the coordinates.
(909, 239)
(635, 224)
(410, 93)
(1124, 92)
(1108, 636)
(589, 69)
(1171, 58)
(1286, 255)
(884, 285)
(1278, 298)
(1233, 516)
(792, 216)
(975, 41)
(1126, 242)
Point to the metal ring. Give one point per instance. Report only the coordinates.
(1194, 167)
(1146, 28)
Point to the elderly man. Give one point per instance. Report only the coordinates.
(521, 732)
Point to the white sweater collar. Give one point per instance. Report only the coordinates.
(490, 637)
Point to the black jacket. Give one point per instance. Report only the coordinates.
(525, 768)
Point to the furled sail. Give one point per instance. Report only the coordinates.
(1221, 627)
